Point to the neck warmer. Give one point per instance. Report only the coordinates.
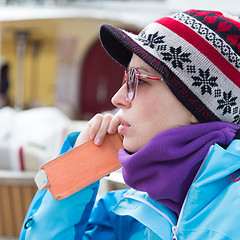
(167, 165)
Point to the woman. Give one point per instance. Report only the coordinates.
(179, 110)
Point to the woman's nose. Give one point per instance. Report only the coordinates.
(119, 99)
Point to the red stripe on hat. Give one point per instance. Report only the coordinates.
(205, 48)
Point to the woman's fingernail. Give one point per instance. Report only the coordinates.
(98, 141)
(110, 130)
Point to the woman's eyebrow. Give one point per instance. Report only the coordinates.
(144, 69)
(140, 68)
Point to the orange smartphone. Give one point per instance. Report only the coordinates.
(80, 167)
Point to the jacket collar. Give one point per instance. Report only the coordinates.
(147, 211)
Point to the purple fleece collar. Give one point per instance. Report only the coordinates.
(167, 165)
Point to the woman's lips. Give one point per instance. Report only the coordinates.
(123, 127)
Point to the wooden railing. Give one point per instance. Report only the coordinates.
(17, 190)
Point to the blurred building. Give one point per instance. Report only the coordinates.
(55, 55)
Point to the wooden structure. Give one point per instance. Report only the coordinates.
(17, 190)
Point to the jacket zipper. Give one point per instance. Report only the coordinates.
(174, 228)
(174, 232)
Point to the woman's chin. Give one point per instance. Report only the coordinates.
(130, 146)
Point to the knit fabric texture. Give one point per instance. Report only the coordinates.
(167, 165)
(197, 53)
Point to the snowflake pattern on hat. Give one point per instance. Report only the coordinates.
(205, 81)
(227, 102)
(203, 78)
(151, 40)
(176, 56)
(197, 53)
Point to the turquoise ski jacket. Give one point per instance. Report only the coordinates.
(211, 209)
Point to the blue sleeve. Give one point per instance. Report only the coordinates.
(107, 225)
(48, 218)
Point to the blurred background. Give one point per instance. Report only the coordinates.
(55, 76)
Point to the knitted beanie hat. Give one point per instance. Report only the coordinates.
(197, 53)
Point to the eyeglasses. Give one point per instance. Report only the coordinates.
(131, 78)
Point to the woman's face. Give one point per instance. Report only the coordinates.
(153, 110)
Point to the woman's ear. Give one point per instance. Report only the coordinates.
(193, 119)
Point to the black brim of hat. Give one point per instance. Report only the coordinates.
(121, 45)
(116, 43)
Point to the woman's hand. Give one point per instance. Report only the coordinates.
(97, 128)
